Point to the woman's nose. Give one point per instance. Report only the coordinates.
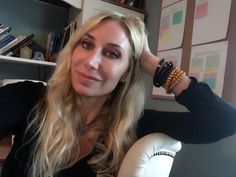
(94, 60)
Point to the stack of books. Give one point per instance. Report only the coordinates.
(57, 40)
(10, 45)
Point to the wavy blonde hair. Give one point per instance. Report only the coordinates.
(56, 124)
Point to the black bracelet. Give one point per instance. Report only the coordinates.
(156, 74)
(162, 73)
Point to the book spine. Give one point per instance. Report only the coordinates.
(50, 43)
(21, 44)
(122, 1)
(5, 30)
(3, 36)
(8, 47)
(6, 40)
(138, 4)
(130, 3)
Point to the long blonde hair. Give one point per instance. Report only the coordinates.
(56, 124)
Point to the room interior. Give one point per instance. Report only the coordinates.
(206, 160)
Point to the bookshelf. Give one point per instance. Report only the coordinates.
(141, 10)
(79, 3)
(16, 60)
(92, 7)
(57, 3)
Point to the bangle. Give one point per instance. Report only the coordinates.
(162, 72)
(174, 78)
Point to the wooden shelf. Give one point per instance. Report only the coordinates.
(7, 59)
(125, 6)
(56, 2)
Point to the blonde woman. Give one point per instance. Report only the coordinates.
(92, 109)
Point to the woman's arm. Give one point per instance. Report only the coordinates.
(209, 118)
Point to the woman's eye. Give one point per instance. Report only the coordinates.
(111, 54)
(87, 45)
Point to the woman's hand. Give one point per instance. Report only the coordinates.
(149, 62)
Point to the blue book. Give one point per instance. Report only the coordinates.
(4, 30)
(6, 40)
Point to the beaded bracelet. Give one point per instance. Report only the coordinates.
(174, 78)
(167, 75)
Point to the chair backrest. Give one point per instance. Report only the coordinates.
(150, 156)
(10, 81)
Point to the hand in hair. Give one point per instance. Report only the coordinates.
(148, 60)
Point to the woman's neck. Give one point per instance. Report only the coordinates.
(90, 108)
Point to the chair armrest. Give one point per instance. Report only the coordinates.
(10, 81)
(150, 156)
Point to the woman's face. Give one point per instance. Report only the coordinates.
(100, 59)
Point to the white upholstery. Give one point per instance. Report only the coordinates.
(9, 81)
(145, 158)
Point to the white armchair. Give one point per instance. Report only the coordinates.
(150, 156)
(10, 81)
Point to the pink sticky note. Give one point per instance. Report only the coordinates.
(201, 10)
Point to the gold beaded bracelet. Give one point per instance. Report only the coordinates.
(173, 79)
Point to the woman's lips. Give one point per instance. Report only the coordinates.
(90, 77)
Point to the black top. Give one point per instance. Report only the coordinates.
(209, 119)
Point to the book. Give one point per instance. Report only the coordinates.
(130, 3)
(50, 43)
(8, 47)
(7, 39)
(4, 35)
(57, 40)
(122, 1)
(4, 30)
(26, 41)
(138, 4)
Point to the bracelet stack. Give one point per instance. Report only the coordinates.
(167, 76)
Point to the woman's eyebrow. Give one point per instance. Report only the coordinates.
(89, 36)
(109, 44)
(114, 45)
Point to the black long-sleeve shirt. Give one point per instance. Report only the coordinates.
(209, 119)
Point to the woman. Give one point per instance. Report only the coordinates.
(91, 112)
